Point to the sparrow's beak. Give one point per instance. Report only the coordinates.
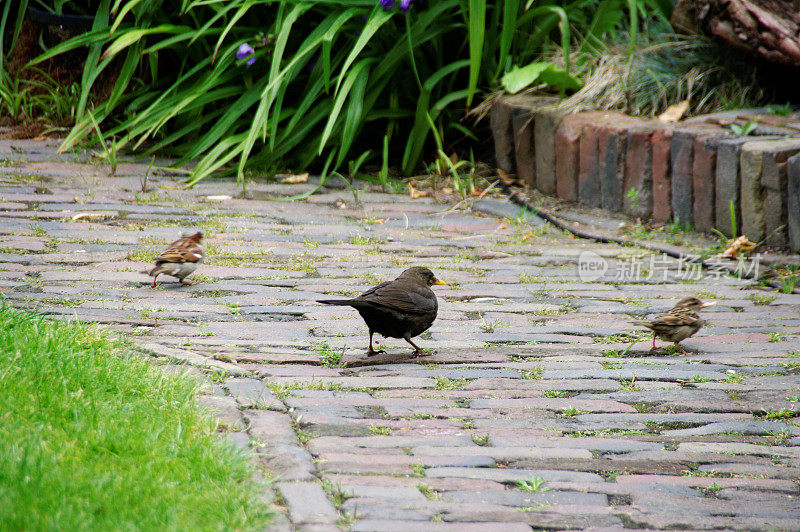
(708, 304)
(438, 281)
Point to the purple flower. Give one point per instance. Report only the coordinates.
(245, 50)
(405, 4)
(387, 4)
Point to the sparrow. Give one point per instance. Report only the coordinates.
(180, 258)
(403, 308)
(678, 323)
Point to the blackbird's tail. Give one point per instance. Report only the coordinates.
(642, 323)
(340, 302)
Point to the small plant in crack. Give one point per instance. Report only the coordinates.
(711, 491)
(380, 430)
(335, 493)
(445, 383)
(429, 492)
(570, 412)
(481, 439)
(328, 356)
(759, 299)
(535, 484)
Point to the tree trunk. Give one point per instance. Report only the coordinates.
(768, 28)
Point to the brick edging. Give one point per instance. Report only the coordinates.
(689, 171)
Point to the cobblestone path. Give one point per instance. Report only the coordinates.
(529, 410)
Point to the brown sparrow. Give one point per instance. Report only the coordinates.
(678, 323)
(180, 258)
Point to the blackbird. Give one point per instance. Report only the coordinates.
(180, 258)
(678, 323)
(403, 308)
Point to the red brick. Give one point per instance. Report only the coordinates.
(545, 125)
(703, 175)
(662, 177)
(567, 152)
(500, 124)
(639, 172)
(588, 172)
(611, 146)
(524, 159)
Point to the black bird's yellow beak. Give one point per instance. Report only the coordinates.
(438, 281)
(708, 304)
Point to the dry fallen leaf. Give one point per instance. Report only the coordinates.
(508, 180)
(674, 112)
(294, 179)
(736, 246)
(414, 193)
(96, 215)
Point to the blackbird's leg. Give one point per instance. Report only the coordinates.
(654, 343)
(417, 349)
(682, 350)
(371, 351)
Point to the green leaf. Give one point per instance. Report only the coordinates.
(510, 14)
(477, 25)
(538, 72)
(133, 36)
(341, 94)
(378, 18)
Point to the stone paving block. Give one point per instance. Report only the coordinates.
(225, 409)
(377, 427)
(386, 525)
(286, 462)
(252, 393)
(272, 428)
(511, 475)
(307, 502)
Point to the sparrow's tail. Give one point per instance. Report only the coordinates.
(340, 302)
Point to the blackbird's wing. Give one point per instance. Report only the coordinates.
(401, 298)
(181, 251)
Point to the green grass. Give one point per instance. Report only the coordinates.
(94, 439)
